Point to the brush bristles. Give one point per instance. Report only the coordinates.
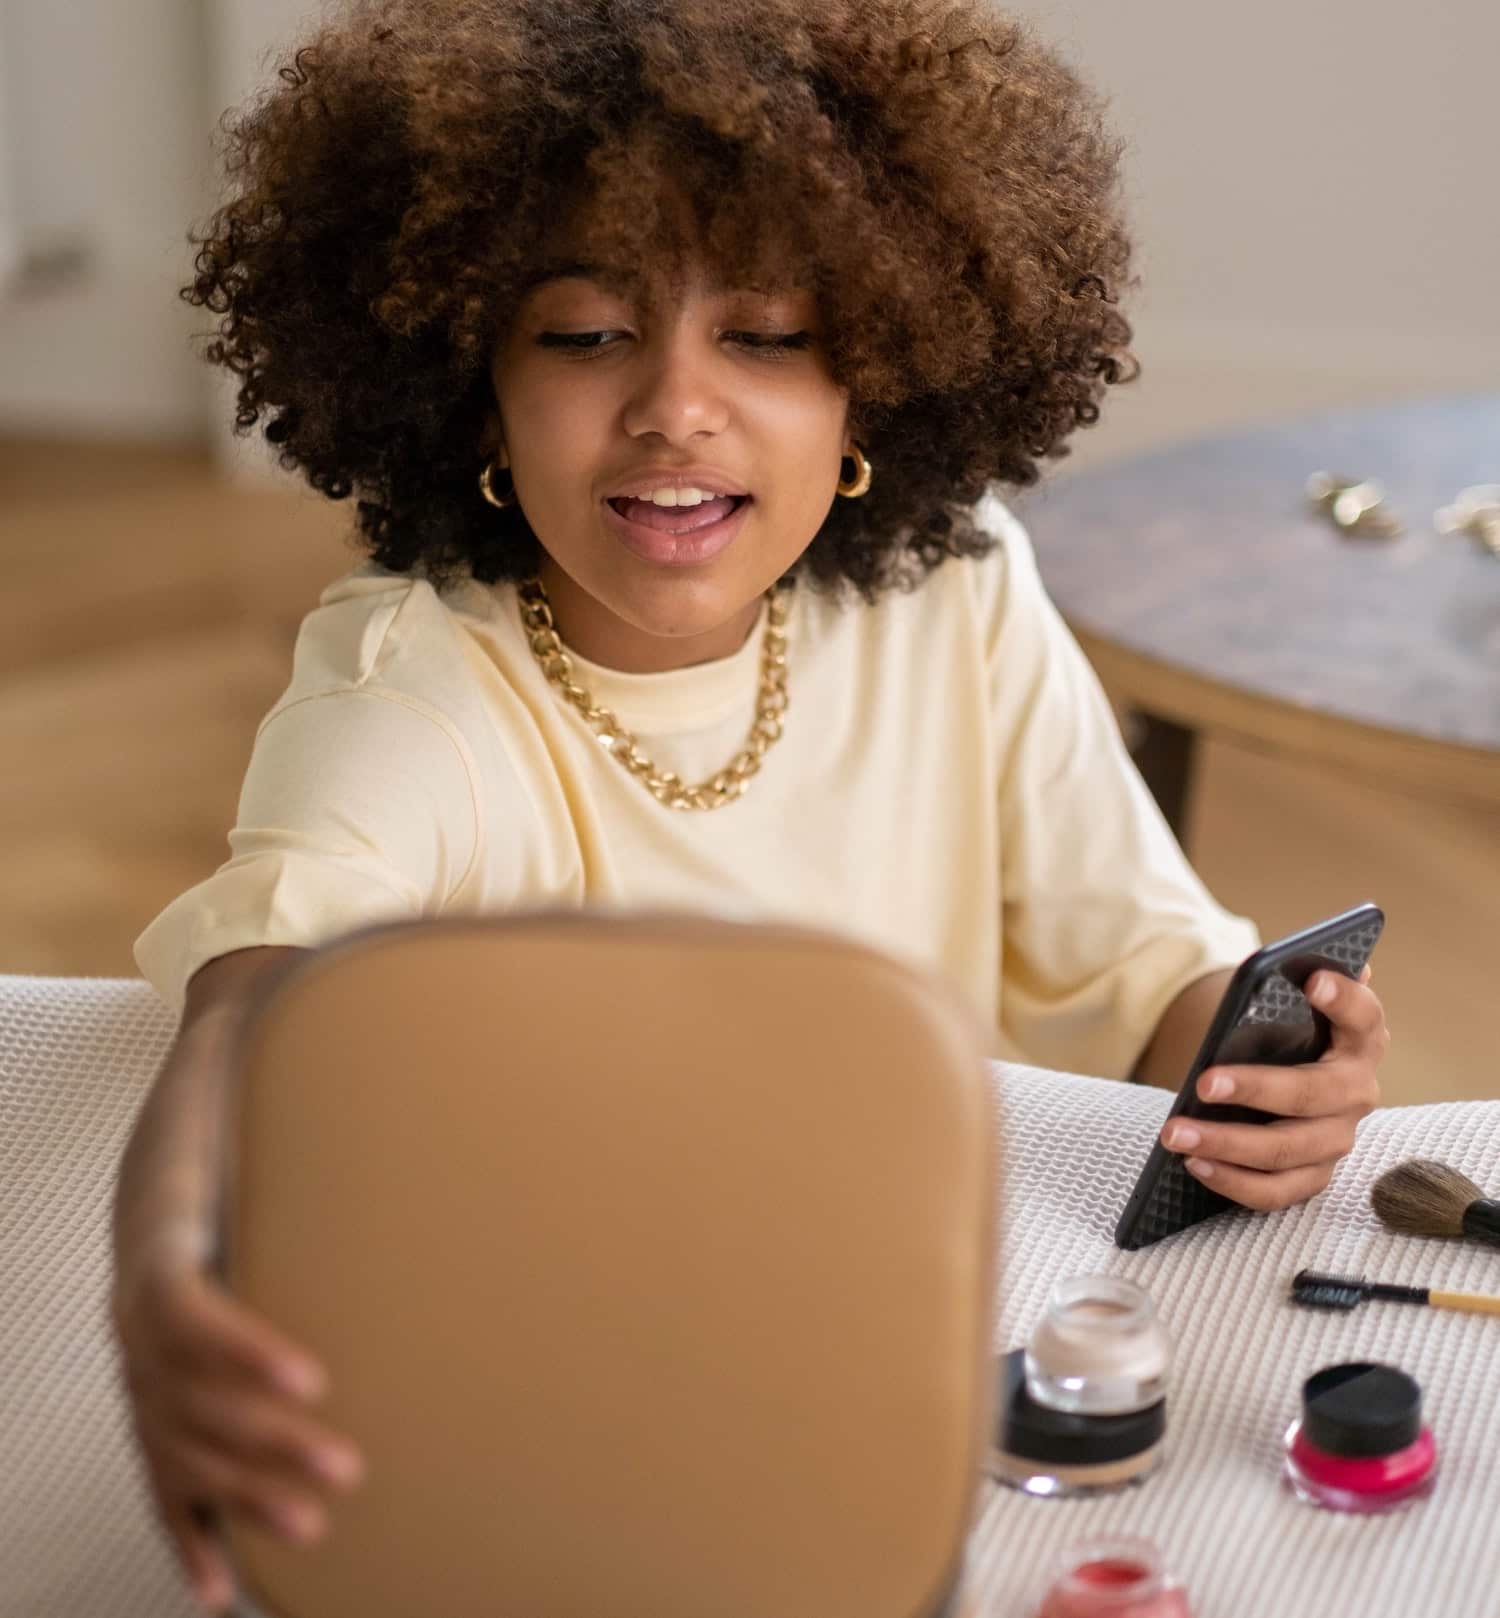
(1327, 1291)
(1423, 1198)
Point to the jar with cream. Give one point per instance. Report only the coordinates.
(1082, 1409)
(1099, 1350)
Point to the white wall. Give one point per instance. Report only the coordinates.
(245, 38)
(1312, 181)
(105, 116)
(1314, 189)
(246, 34)
(9, 224)
(110, 109)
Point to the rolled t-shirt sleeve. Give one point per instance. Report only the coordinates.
(359, 805)
(1104, 921)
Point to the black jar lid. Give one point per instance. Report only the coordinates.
(1360, 1409)
(1036, 1432)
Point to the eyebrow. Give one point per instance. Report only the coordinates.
(613, 279)
(581, 269)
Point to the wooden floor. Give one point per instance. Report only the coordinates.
(146, 625)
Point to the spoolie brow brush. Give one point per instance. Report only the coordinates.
(1316, 1291)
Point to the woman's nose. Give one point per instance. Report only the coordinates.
(678, 394)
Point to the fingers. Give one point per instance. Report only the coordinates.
(225, 1441)
(244, 1388)
(1253, 1189)
(1313, 1090)
(1273, 1148)
(266, 1430)
(208, 1380)
(1355, 1012)
(273, 1499)
(203, 1561)
(1289, 1159)
(213, 1329)
(1316, 1107)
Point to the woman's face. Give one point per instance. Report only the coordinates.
(605, 396)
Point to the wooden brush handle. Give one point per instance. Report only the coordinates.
(1474, 1303)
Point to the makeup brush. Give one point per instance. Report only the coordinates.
(1316, 1291)
(1424, 1198)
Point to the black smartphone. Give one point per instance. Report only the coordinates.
(1264, 1017)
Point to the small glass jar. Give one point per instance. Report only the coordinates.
(1059, 1454)
(1099, 1350)
(1113, 1578)
(1360, 1445)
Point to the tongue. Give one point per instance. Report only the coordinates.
(675, 519)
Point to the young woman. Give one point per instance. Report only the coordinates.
(676, 354)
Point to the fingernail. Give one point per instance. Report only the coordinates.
(301, 1522)
(1219, 1088)
(301, 1380)
(214, 1593)
(1321, 992)
(1196, 1165)
(1185, 1138)
(337, 1465)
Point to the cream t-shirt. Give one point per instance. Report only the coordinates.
(951, 786)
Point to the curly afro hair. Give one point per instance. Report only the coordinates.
(940, 182)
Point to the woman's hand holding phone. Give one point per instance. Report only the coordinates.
(1318, 1106)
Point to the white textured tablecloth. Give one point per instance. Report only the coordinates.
(1244, 1546)
(77, 1539)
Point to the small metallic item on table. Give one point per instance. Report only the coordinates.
(1354, 506)
(1476, 512)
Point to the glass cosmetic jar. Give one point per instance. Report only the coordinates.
(1360, 1445)
(1100, 1349)
(1113, 1578)
(1059, 1454)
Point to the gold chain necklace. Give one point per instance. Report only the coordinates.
(666, 786)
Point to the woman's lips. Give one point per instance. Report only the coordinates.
(677, 534)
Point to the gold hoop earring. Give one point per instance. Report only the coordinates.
(487, 487)
(852, 488)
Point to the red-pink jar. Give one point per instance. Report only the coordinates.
(1114, 1578)
(1360, 1445)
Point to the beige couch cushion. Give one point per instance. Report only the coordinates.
(77, 1538)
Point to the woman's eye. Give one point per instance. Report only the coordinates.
(772, 342)
(595, 342)
(577, 342)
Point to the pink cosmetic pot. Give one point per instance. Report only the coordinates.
(1360, 1445)
(1114, 1578)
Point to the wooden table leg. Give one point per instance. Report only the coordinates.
(1165, 754)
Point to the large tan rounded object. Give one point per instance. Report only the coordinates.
(652, 1260)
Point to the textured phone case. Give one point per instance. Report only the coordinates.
(1177, 1200)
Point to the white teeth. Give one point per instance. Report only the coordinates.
(678, 497)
